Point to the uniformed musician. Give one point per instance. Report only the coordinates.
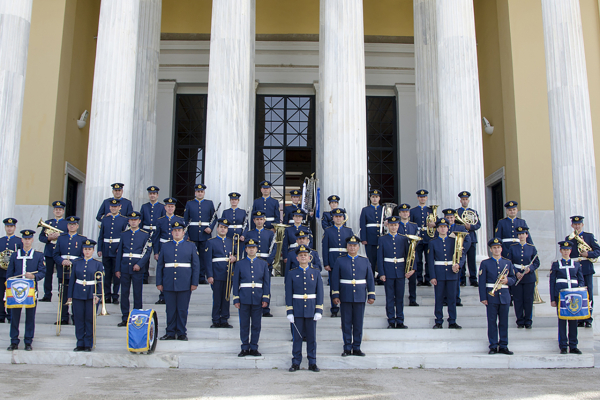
(217, 256)
(197, 216)
(525, 261)
(81, 294)
(506, 230)
(370, 221)
(565, 273)
(251, 293)
(126, 205)
(9, 242)
(59, 222)
(465, 198)
(288, 211)
(289, 239)
(392, 251)
(405, 227)
(498, 305)
(302, 239)
(235, 215)
(23, 262)
(133, 253)
(352, 284)
(304, 307)
(334, 246)
(68, 248)
(151, 212)
(267, 205)
(449, 214)
(587, 267)
(418, 215)
(177, 275)
(327, 219)
(443, 274)
(111, 228)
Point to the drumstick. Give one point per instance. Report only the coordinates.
(18, 276)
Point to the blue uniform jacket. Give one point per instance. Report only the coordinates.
(442, 250)
(109, 237)
(288, 217)
(129, 252)
(198, 215)
(162, 233)
(334, 238)
(10, 243)
(418, 215)
(410, 228)
(49, 248)
(347, 270)
(67, 248)
(126, 208)
(236, 218)
(292, 261)
(216, 256)
(521, 257)
(150, 213)
(84, 270)
(474, 228)
(559, 276)
(178, 266)
(248, 273)
(270, 207)
(289, 240)
(586, 265)
(370, 219)
(489, 270)
(263, 238)
(326, 220)
(304, 292)
(392, 247)
(507, 231)
(34, 261)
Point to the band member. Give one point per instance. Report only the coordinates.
(302, 239)
(454, 227)
(23, 262)
(472, 229)
(565, 273)
(217, 256)
(289, 239)
(352, 284)
(525, 261)
(327, 219)
(251, 293)
(370, 220)
(587, 266)
(443, 274)
(162, 233)
(177, 256)
(264, 240)
(391, 256)
(334, 246)
(117, 191)
(197, 216)
(151, 212)
(50, 239)
(418, 215)
(506, 230)
(288, 211)
(81, 295)
(497, 305)
(267, 205)
(133, 254)
(405, 227)
(9, 242)
(111, 228)
(68, 248)
(234, 215)
(304, 307)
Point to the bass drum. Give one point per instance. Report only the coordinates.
(153, 333)
(142, 331)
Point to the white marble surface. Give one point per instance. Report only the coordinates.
(571, 135)
(231, 93)
(541, 225)
(165, 136)
(15, 21)
(29, 216)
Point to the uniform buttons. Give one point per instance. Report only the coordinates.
(354, 290)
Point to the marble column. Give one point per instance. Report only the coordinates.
(342, 85)
(15, 21)
(571, 135)
(123, 117)
(231, 102)
(460, 129)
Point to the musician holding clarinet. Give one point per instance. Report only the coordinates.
(524, 257)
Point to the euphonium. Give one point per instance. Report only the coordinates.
(278, 240)
(582, 245)
(458, 246)
(498, 284)
(410, 257)
(431, 218)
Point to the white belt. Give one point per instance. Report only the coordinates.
(69, 257)
(291, 221)
(354, 281)
(112, 240)
(304, 296)
(521, 267)
(443, 263)
(339, 249)
(510, 240)
(177, 265)
(566, 281)
(219, 259)
(491, 285)
(148, 227)
(373, 225)
(85, 283)
(394, 260)
(293, 245)
(270, 219)
(235, 226)
(132, 255)
(263, 255)
(251, 285)
(199, 223)
(422, 228)
(164, 240)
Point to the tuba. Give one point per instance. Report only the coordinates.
(388, 209)
(410, 257)
(497, 285)
(48, 229)
(458, 246)
(582, 245)
(279, 236)
(5, 258)
(309, 189)
(431, 218)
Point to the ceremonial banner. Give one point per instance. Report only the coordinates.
(20, 293)
(142, 328)
(574, 304)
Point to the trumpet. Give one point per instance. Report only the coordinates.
(410, 257)
(498, 284)
(48, 229)
(431, 218)
(458, 246)
(582, 246)
(229, 285)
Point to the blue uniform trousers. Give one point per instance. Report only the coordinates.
(247, 313)
(220, 308)
(353, 315)
(523, 302)
(471, 264)
(308, 328)
(127, 280)
(48, 277)
(497, 322)
(84, 323)
(29, 324)
(589, 282)
(110, 292)
(445, 289)
(177, 304)
(3, 313)
(371, 250)
(335, 308)
(565, 340)
(420, 259)
(412, 287)
(394, 300)
(267, 309)
(201, 246)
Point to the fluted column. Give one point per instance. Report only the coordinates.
(342, 82)
(231, 101)
(15, 21)
(461, 148)
(573, 160)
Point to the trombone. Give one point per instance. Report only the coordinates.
(61, 299)
(98, 277)
(236, 242)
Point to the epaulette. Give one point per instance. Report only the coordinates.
(161, 217)
(507, 259)
(179, 216)
(313, 266)
(362, 256)
(144, 230)
(294, 267)
(212, 238)
(514, 244)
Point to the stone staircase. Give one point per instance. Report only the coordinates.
(416, 347)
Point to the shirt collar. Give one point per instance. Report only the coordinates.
(349, 256)
(177, 242)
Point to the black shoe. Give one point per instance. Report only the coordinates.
(122, 324)
(573, 351)
(294, 368)
(427, 284)
(304, 339)
(459, 304)
(314, 368)
(401, 326)
(520, 326)
(2, 321)
(445, 304)
(413, 304)
(167, 337)
(108, 301)
(87, 349)
(358, 353)
(45, 300)
(160, 302)
(505, 350)
(115, 302)
(438, 326)
(563, 351)
(204, 282)
(346, 353)
(215, 325)
(580, 324)
(511, 303)
(243, 353)
(63, 322)
(527, 326)
(145, 281)
(493, 350)
(29, 348)
(254, 353)
(454, 326)
(79, 348)
(226, 325)
(13, 346)
(463, 284)
(588, 324)
(391, 326)
(474, 284)
(333, 314)
(183, 338)
(420, 284)
(268, 315)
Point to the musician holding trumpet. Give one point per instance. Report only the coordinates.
(49, 236)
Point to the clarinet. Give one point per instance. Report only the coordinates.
(528, 265)
(214, 215)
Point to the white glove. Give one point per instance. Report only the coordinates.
(290, 318)
(318, 316)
